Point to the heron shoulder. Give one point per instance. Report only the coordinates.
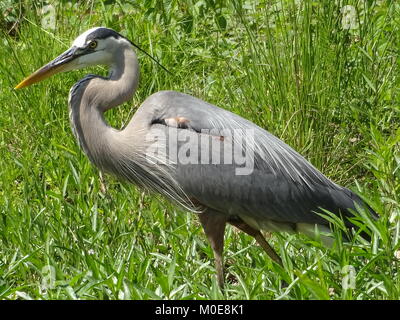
(172, 98)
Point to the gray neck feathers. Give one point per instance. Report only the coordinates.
(120, 152)
(93, 95)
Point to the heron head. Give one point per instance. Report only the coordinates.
(97, 46)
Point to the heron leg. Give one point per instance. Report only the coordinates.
(214, 226)
(241, 225)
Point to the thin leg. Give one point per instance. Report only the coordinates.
(214, 226)
(259, 238)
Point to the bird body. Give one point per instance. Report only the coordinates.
(207, 159)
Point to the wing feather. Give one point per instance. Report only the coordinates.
(282, 185)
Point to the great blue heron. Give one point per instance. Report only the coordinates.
(207, 159)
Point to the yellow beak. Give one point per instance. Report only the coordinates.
(58, 65)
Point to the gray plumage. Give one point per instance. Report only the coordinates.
(283, 192)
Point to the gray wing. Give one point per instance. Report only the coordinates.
(281, 184)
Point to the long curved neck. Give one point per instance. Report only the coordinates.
(122, 81)
(92, 96)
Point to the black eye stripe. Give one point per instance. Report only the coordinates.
(103, 33)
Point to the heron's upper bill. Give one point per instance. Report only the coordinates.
(58, 65)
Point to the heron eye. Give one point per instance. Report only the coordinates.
(92, 44)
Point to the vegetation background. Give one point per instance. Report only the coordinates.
(321, 75)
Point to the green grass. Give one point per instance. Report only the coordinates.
(331, 93)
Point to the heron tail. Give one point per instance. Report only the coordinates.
(359, 203)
